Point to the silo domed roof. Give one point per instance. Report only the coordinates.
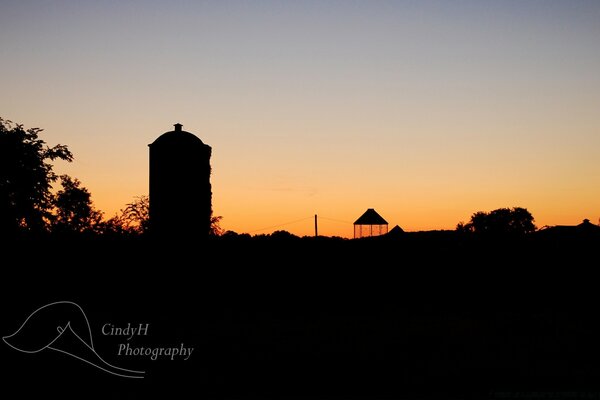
(177, 136)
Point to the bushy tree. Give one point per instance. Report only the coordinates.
(74, 210)
(26, 178)
(502, 221)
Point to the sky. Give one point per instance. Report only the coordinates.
(427, 111)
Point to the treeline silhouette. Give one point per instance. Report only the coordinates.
(29, 208)
(494, 308)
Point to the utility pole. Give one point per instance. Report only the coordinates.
(316, 229)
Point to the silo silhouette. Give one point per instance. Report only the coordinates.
(180, 190)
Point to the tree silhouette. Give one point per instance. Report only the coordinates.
(26, 177)
(136, 214)
(215, 226)
(502, 221)
(74, 211)
(133, 220)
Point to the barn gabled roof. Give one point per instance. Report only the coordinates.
(370, 217)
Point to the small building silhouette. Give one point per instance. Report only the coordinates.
(396, 231)
(180, 190)
(584, 230)
(370, 224)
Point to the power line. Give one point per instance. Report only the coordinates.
(284, 224)
(299, 220)
(335, 220)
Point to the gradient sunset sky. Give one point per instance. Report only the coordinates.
(426, 111)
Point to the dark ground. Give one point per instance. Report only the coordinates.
(430, 315)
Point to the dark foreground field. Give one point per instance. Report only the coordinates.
(418, 316)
